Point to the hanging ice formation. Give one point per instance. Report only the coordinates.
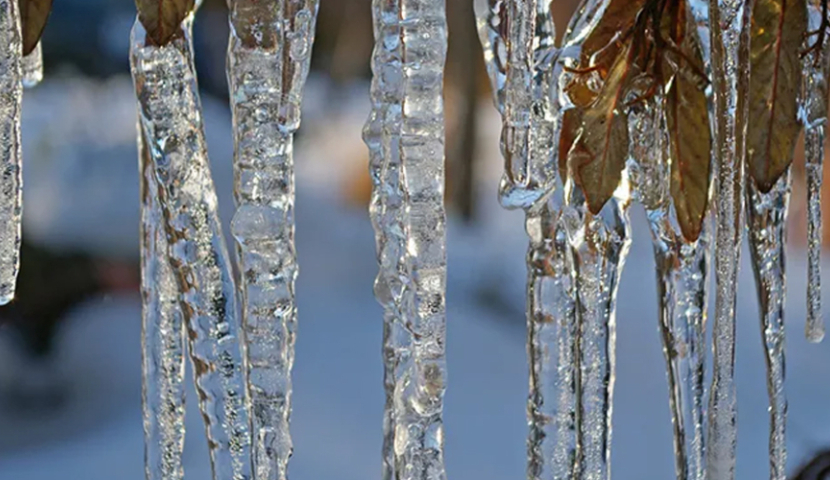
(170, 122)
(32, 67)
(11, 199)
(268, 61)
(405, 136)
(815, 66)
(518, 40)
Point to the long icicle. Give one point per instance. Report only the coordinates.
(682, 279)
(816, 68)
(163, 338)
(11, 193)
(767, 218)
(32, 67)
(269, 54)
(523, 85)
(729, 21)
(405, 135)
(171, 122)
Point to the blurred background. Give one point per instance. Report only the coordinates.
(70, 403)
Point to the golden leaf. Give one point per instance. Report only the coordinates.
(597, 156)
(33, 16)
(778, 28)
(162, 19)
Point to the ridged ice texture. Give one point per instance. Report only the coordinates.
(518, 37)
(405, 136)
(767, 219)
(163, 338)
(11, 189)
(266, 85)
(170, 118)
(730, 76)
(814, 116)
(682, 279)
(600, 244)
(32, 67)
(552, 333)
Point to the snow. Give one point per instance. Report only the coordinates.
(337, 377)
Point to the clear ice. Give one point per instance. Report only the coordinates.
(266, 81)
(32, 67)
(730, 75)
(767, 219)
(682, 279)
(163, 338)
(171, 123)
(11, 193)
(405, 136)
(814, 116)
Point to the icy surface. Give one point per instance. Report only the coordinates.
(32, 67)
(11, 190)
(171, 123)
(266, 83)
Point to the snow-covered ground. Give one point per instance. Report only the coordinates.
(338, 396)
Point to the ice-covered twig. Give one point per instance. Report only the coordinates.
(767, 218)
(405, 135)
(266, 74)
(171, 122)
(11, 199)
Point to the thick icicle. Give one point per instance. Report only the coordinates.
(519, 44)
(682, 279)
(552, 332)
(518, 41)
(171, 122)
(32, 67)
(266, 74)
(814, 116)
(600, 244)
(163, 338)
(730, 74)
(767, 218)
(405, 136)
(11, 198)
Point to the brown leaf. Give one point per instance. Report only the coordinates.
(33, 16)
(162, 19)
(597, 156)
(617, 20)
(778, 28)
(256, 22)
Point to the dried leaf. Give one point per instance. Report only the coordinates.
(256, 22)
(597, 156)
(33, 16)
(162, 19)
(608, 34)
(778, 28)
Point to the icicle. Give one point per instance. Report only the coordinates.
(32, 67)
(11, 199)
(518, 39)
(551, 342)
(163, 338)
(266, 74)
(682, 279)
(170, 117)
(730, 75)
(405, 136)
(767, 218)
(814, 112)
(600, 244)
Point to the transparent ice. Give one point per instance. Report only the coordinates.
(171, 123)
(814, 116)
(32, 67)
(11, 189)
(405, 136)
(266, 84)
(767, 219)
